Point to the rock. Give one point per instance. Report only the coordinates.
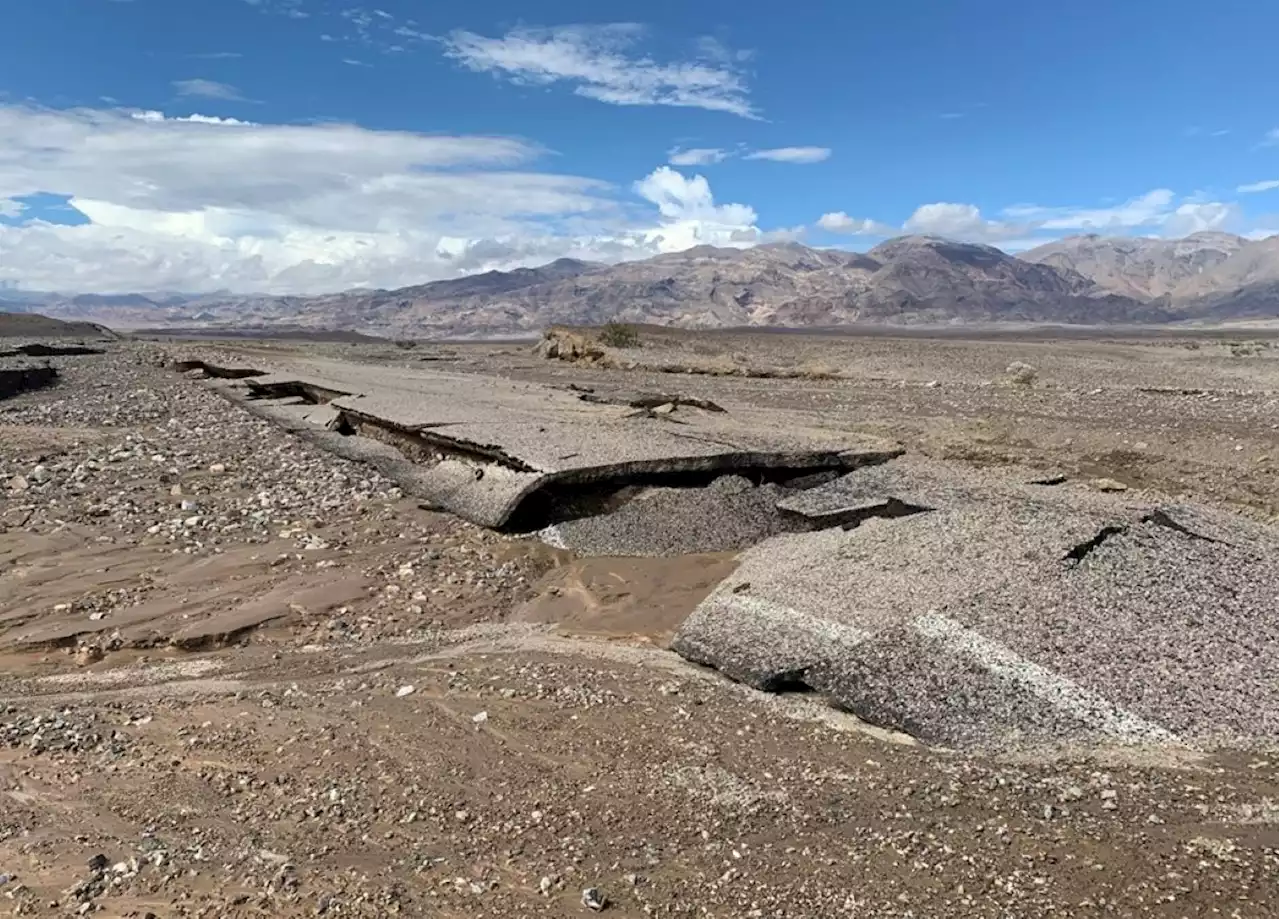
(217, 469)
(594, 899)
(18, 483)
(40, 473)
(99, 862)
(404, 691)
(480, 717)
(1109, 485)
(87, 654)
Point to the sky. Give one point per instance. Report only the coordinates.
(308, 146)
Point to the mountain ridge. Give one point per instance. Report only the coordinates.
(1086, 279)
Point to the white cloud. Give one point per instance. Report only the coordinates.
(208, 89)
(153, 116)
(1267, 185)
(840, 222)
(1158, 212)
(690, 216)
(792, 154)
(679, 198)
(595, 61)
(11, 208)
(959, 221)
(696, 156)
(1150, 209)
(1199, 217)
(199, 203)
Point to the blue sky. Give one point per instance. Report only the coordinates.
(306, 145)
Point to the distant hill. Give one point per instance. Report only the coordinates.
(909, 280)
(34, 325)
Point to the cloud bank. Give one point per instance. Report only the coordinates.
(198, 203)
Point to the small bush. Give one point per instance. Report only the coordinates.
(618, 335)
(1021, 374)
(406, 344)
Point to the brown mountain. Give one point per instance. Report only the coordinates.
(912, 279)
(1138, 267)
(907, 280)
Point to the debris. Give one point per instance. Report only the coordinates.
(594, 899)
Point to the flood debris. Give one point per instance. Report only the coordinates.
(652, 401)
(216, 371)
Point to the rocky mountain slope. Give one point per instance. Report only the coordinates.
(1138, 267)
(912, 279)
(1204, 275)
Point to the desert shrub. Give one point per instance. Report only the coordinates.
(406, 344)
(816, 370)
(619, 335)
(1021, 374)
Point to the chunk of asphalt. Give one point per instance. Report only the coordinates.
(1030, 617)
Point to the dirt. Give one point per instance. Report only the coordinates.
(641, 598)
(386, 711)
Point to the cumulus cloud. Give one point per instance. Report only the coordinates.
(196, 203)
(1252, 187)
(959, 221)
(597, 62)
(696, 156)
(208, 89)
(791, 154)
(690, 215)
(840, 222)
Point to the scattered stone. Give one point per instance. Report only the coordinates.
(1109, 485)
(594, 899)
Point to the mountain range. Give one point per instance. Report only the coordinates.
(911, 280)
